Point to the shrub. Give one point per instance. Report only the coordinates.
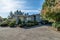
(4, 23)
(12, 24)
(20, 22)
(30, 24)
(36, 23)
(23, 22)
(21, 25)
(56, 24)
(30, 21)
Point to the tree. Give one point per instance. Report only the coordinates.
(1, 19)
(11, 14)
(51, 11)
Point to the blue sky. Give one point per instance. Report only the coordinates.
(30, 6)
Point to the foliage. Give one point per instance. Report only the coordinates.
(20, 22)
(36, 23)
(47, 6)
(48, 3)
(4, 23)
(31, 23)
(12, 23)
(50, 11)
(23, 22)
(56, 24)
(1, 19)
(11, 15)
(4, 19)
(21, 25)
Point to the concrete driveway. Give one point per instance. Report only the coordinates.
(38, 33)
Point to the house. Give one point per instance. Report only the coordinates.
(25, 17)
(34, 17)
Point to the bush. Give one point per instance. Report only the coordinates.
(30, 21)
(56, 24)
(23, 22)
(4, 23)
(21, 25)
(12, 24)
(20, 22)
(30, 24)
(36, 23)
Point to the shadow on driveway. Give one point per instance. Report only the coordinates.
(37, 26)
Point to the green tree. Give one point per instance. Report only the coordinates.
(51, 11)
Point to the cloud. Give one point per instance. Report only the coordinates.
(29, 10)
(30, 6)
(7, 5)
(10, 5)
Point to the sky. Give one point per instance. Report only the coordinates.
(30, 6)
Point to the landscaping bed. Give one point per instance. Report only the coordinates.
(21, 24)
